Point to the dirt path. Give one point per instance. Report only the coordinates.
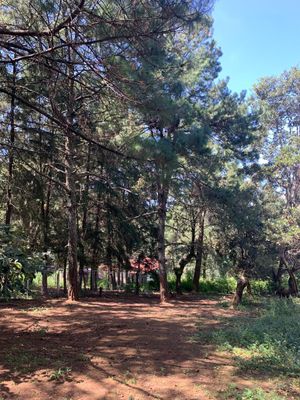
(110, 348)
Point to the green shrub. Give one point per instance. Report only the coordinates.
(218, 285)
(261, 287)
(16, 265)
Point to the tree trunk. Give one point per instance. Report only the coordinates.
(9, 205)
(204, 266)
(94, 279)
(83, 233)
(293, 286)
(72, 217)
(119, 277)
(242, 283)
(137, 281)
(178, 274)
(184, 261)
(162, 212)
(81, 273)
(65, 276)
(44, 283)
(199, 253)
(57, 282)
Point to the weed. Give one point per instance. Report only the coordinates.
(42, 331)
(129, 378)
(60, 374)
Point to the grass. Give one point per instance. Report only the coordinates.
(24, 361)
(234, 393)
(266, 342)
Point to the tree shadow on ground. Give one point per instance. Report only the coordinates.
(106, 346)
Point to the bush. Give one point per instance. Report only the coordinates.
(261, 287)
(16, 266)
(217, 286)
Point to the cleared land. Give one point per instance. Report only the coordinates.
(124, 348)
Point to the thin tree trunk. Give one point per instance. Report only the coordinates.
(162, 212)
(112, 277)
(57, 281)
(119, 276)
(199, 253)
(72, 217)
(204, 259)
(70, 174)
(93, 283)
(82, 236)
(65, 275)
(81, 272)
(9, 205)
(137, 281)
(184, 261)
(44, 283)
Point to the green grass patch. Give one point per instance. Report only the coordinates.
(233, 393)
(24, 361)
(267, 341)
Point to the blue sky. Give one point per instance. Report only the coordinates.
(257, 37)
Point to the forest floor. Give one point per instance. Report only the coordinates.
(120, 348)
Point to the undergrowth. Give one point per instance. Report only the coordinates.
(266, 341)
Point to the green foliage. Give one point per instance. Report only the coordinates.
(261, 287)
(16, 266)
(60, 374)
(219, 285)
(267, 343)
(51, 281)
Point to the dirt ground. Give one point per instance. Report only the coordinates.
(112, 348)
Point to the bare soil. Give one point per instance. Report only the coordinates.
(113, 348)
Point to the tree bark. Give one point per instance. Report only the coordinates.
(70, 173)
(44, 283)
(9, 205)
(83, 233)
(199, 253)
(72, 217)
(137, 280)
(65, 276)
(242, 283)
(162, 212)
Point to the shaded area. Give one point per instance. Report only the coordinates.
(112, 348)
